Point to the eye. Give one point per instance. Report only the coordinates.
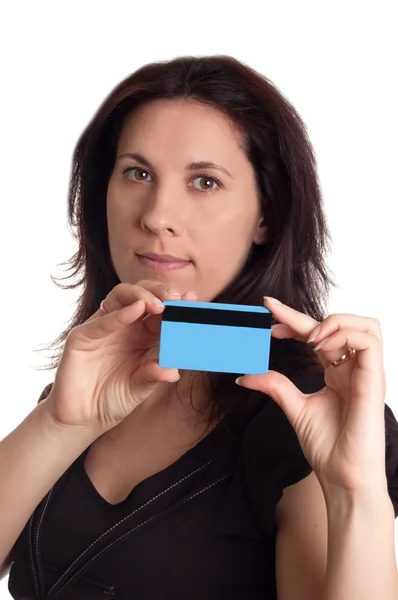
(207, 179)
(139, 169)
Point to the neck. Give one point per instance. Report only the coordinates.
(176, 399)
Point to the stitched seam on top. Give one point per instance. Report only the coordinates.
(93, 587)
(31, 556)
(124, 519)
(131, 531)
(37, 535)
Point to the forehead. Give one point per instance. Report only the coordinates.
(180, 124)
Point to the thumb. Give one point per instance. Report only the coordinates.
(144, 381)
(280, 389)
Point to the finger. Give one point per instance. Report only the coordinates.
(164, 292)
(368, 348)
(187, 296)
(279, 387)
(326, 356)
(125, 294)
(147, 377)
(282, 331)
(100, 328)
(190, 296)
(334, 322)
(153, 321)
(152, 292)
(300, 324)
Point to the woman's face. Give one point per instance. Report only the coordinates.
(159, 204)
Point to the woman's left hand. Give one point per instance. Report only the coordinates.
(340, 428)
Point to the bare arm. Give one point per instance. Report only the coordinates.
(36, 453)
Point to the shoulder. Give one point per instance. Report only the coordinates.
(391, 429)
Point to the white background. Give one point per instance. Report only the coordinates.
(335, 61)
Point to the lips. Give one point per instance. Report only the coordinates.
(164, 258)
(159, 263)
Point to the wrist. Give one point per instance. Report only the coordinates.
(82, 434)
(370, 500)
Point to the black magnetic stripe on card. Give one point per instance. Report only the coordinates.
(214, 316)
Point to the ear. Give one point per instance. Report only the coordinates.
(260, 235)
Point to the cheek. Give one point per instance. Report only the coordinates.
(119, 229)
(232, 230)
(118, 210)
(227, 238)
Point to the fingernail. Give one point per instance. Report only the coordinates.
(173, 292)
(321, 343)
(272, 300)
(176, 378)
(158, 302)
(314, 334)
(238, 379)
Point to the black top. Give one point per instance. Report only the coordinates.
(203, 528)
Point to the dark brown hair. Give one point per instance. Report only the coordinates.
(290, 266)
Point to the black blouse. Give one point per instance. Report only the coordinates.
(203, 528)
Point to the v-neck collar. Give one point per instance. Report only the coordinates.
(222, 446)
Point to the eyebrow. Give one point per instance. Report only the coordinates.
(193, 166)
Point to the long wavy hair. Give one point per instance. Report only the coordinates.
(291, 264)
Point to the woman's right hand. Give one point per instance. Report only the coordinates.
(110, 363)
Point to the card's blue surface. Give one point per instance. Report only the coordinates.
(206, 336)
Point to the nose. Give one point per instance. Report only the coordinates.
(162, 213)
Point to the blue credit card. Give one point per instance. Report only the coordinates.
(206, 336)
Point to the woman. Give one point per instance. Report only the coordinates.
(196, 180)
